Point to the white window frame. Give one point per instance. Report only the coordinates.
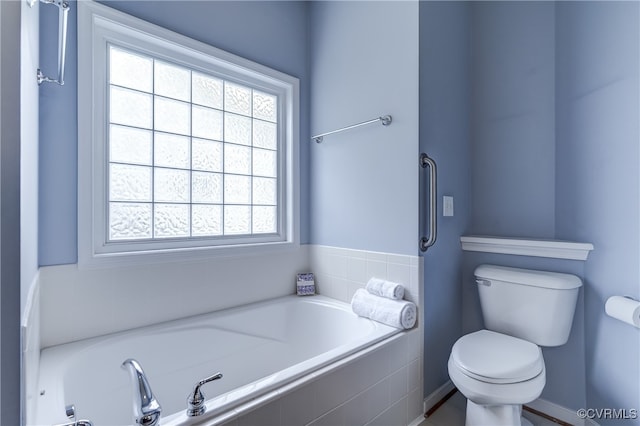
(100, 26)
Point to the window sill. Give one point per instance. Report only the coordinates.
(527, 247)
(154, 257)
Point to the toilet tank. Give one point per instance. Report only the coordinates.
(537, 306)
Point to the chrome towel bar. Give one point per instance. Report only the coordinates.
(385, 119)
(63, 12)
(426, 242)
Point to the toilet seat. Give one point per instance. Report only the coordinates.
(497, 358)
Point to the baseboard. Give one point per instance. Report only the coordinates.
(561, 413)
(416, 421)
(437, 396)
(549, 408)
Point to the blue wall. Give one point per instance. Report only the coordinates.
(598, 181)
(58, 162)
(444, 135)
(272, 33)
(513, 149)
(555, 154)
(364, 182)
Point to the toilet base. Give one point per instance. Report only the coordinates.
(494, 415)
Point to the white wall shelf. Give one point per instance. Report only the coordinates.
(527, 247)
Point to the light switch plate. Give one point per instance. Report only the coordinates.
(447, 205)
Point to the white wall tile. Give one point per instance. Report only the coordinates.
(366, 405)
(396, 415)
(400, 274)
(355, 410)
(414, 404)
(357, 254)
(352, 287)
(267, 415)
(376, 256)
(338, 265)
(371, 369)
(399, 259)
(415, 338)
(322, 282)
(332, 418)
(398, 387)
(297, 406)
(376, 269)
(398, 352)
(376, 399)
(414, 375)
(357, 269)
(341, 289)
(331, 390)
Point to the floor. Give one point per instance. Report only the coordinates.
(451, 413)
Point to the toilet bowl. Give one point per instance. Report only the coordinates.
(497, 374)
(500, 368)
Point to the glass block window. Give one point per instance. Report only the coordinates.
(185, 151)
(190, 154)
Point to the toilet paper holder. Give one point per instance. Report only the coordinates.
(624, 308)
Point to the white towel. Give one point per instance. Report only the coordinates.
(386, 289)
(396, 313)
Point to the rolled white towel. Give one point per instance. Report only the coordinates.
(396, 313)
(387, 289)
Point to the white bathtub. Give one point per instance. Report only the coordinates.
(258, 348)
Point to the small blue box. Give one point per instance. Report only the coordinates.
(306, 285)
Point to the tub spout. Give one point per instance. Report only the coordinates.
(146, 409)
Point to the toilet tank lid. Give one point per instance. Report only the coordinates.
(555, 280)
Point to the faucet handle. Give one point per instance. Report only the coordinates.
(195, 402)
(70, 411)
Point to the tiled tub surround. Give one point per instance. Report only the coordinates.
(381, 385)
(114, 299)
(340, 272)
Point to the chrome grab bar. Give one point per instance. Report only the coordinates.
(426, 242)
(63, 12)
(195, 402)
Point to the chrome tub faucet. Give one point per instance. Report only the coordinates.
(195, 402)
(146, 409)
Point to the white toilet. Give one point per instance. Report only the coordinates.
(500, 368)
